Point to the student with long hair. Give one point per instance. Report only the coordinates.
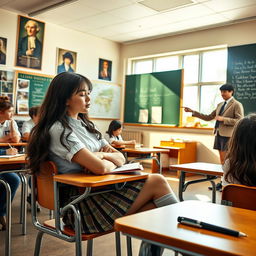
(240, 164)
(8, 133)
(65, 135)
(113, 134)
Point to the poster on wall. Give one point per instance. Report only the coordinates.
(105, 69)
(30, 39)
(66, 61)
(6, 84)
(3, 47)
(105, 100)
(30, 90)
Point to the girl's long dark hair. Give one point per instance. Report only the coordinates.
(53, 109)
(242, 152)
(113, 126)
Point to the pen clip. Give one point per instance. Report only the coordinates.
(191, 224)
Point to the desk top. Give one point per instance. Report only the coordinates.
(145, 150)
(169, 147)
(13, 160)
(160, 225)
(200, 168)
(90, 180)
(19, 144)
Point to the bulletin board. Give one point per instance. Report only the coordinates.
(30, 90)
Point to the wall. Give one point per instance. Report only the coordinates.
(89, 49)
(236, 34)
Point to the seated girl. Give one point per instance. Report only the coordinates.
(113, 135)
(65, 135)
(240, 164)
(8, 133)
(28, 125)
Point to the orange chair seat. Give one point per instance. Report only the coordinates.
(70, 232)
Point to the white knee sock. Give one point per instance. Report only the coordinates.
(166, 200)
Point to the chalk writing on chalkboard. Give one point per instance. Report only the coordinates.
(244, 77)
(241, 73)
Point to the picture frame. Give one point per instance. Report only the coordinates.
(7, 84)
(105, 69)
(66, 61)
(30, 40)
(3, 49)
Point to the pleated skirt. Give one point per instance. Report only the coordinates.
(98, 212)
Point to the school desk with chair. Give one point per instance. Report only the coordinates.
(48, 183)
(15, 162)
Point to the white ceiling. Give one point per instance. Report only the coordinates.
(126, 21)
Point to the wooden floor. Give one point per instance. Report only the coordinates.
(103, 246)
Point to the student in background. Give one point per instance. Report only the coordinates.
(226, 115)
(240, 164)
(113, 135)
(8, 133)
(28, 125)
(65, 135)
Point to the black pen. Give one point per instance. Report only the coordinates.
(200, 224)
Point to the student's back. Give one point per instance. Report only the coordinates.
(240, 164)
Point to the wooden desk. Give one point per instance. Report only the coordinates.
(160, 227)
(210, 171)
(16, 162)
(19, 144)
(184, 152)
(145, 154)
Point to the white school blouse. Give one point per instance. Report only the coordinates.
(5, 128)
(79, 138)
(27, 126)
(113, 138)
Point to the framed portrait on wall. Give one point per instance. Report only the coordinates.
(3, 47)
(66, 61)
(105, 69)
(30, 39)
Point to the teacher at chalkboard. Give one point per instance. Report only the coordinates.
(226, 115)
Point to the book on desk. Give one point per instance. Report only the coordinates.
(126, 168)
(11, 156)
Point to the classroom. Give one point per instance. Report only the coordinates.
(158, 67)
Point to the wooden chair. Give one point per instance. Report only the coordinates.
(43, 191)
(239, 196)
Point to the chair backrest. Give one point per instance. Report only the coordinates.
(239, 196)
(44, 184)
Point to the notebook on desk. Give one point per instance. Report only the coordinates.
(128, 168)
(11, 156)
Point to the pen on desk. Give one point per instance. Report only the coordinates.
(201, 224)
(10, 146)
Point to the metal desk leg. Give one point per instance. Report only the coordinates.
(8, 218)
(23, 203)
(159, 162)
(213, 191)
(181, 185)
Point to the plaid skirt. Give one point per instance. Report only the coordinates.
(98, 212)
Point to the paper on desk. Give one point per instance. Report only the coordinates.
(128, 168)
(11, 156)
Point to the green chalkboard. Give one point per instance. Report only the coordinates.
(153, 98)
(241, 73)
(30, 90)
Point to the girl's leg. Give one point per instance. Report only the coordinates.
(13, 180)
(156, 189)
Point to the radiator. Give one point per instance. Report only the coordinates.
(132, 135)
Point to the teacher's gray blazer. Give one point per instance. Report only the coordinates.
(232, 113)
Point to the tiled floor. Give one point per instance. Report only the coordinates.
(103, 246)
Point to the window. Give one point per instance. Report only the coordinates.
(166, 63)
(204, 72)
